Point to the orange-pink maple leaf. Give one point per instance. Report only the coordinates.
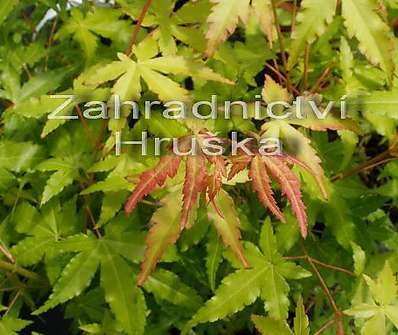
(195, 182)
(262, 185)
(149, 180)
(290, 185)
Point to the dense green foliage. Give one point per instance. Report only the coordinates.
(210, 246)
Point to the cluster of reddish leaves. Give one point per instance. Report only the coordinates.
(198, 180)
(279, 167)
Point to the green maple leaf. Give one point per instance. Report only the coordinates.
(374, 35)
(128, 74)
(52, 224)
(270, 326)
(84, 29)
(266, 279)
(167, 25)
(383, 304)
(10, 325)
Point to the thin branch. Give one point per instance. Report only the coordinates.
(325, 265)
(333, 267)
(321, 280)
(281, 77)
(281, 44)
(6, 252)
(86, 127)
(50, 41)
(325, 326)
(390, 154)
(21, 271)
(306, 66)
(321, 79)
(294, 15)
(137, 27)
(12, 303)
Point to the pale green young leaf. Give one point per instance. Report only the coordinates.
(375, 38)
(223, 21)
(382, 104)
(128, 86)
(375, 325)
(384, 289)
(163, 86)
(311, 22)
(184, 66)
(359, 258)
(263, 10)
(392, 314)
(346, 60)
(273, 92)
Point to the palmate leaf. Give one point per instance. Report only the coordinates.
(270, 326)
(223, 20)
(74, 279)
(311, 22)
(236, 291)
(126, 300)
(12, 326)
(244, 286)
(384, 291)
(374, 36)
(278, 167)
(263, 10)
(164, 232)
(129, 73)
(101, 21)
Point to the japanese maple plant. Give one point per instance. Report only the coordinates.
(126, 210)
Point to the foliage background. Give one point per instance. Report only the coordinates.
(70, 255)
